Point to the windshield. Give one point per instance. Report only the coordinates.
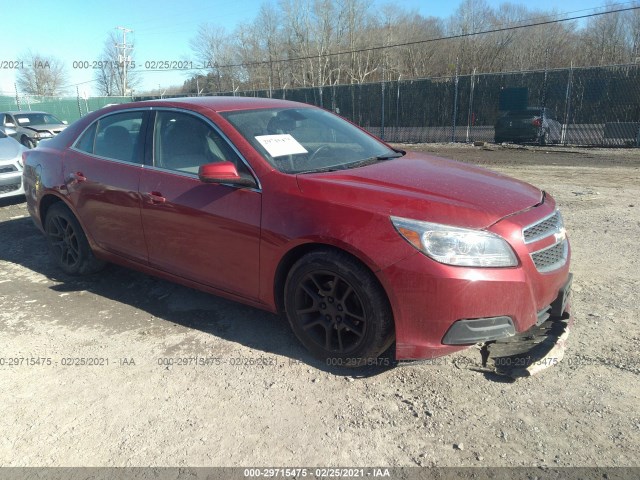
(37, 119)
(304, 140)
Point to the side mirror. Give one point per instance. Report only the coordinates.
(10, 125)
(64, 122)
(223, 172)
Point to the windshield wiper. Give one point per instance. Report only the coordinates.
(359, 163)
(370, 160)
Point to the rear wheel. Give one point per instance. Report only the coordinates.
(68, 244)
(337, 309)
(544, 137)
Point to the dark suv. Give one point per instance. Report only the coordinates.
(535, 124)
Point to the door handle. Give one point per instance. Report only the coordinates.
(154, 198)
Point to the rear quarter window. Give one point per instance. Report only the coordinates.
(86, 142)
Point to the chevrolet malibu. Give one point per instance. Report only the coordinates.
(291, 209)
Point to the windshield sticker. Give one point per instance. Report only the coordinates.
(23, 120)
(280, 145)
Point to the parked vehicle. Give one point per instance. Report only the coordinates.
(535, 124)
(10, 165)
(32, 127)
(290, 208)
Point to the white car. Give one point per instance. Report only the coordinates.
(10, 165)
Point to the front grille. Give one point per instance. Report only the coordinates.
(545, 228)
(8, 169)
(551, 258)
(9, 188)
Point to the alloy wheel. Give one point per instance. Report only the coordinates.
(64, 241)
(330, 311)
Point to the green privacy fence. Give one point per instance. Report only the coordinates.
(595, 106)
(65, 108)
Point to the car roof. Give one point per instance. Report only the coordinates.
(16, 112)
(216, 103)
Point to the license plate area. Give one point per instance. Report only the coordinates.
(560, 303)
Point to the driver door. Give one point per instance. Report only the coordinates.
(208, 233)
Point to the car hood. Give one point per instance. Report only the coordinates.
(424, 187)
(49, 127)
(10, 149)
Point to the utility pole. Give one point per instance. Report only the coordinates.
(124, 58)
(17, 96)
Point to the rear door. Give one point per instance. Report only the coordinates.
(208, 233)
(102, 173)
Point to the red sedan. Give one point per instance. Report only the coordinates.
(292, 209)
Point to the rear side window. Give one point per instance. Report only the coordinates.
(116, 136)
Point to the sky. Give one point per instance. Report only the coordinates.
(75, 31)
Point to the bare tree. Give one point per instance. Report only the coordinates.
(215, 51)
(297, 31)
(604, 39)
(41, 75)
(259, 45)
(356, 29)
(633, 32)
(312, 43)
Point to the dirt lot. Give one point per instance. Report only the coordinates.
(265, 402)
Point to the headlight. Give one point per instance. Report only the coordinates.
(456, 246)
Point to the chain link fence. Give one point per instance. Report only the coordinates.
(598, 106)
(65, 108)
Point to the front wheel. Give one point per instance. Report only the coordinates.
(27, 142)
(68, 244)
(337, 309)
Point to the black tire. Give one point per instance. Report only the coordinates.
(27, 142)
(337, 309)
(544, 137)
(68, 244)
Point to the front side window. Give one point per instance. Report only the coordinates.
(116, 136)
(183, 142)
(299, 140)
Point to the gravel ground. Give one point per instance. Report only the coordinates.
(262, 401)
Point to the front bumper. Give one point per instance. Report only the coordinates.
(530, 134)
(439, 309)
(468, 332)
(10, 180)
